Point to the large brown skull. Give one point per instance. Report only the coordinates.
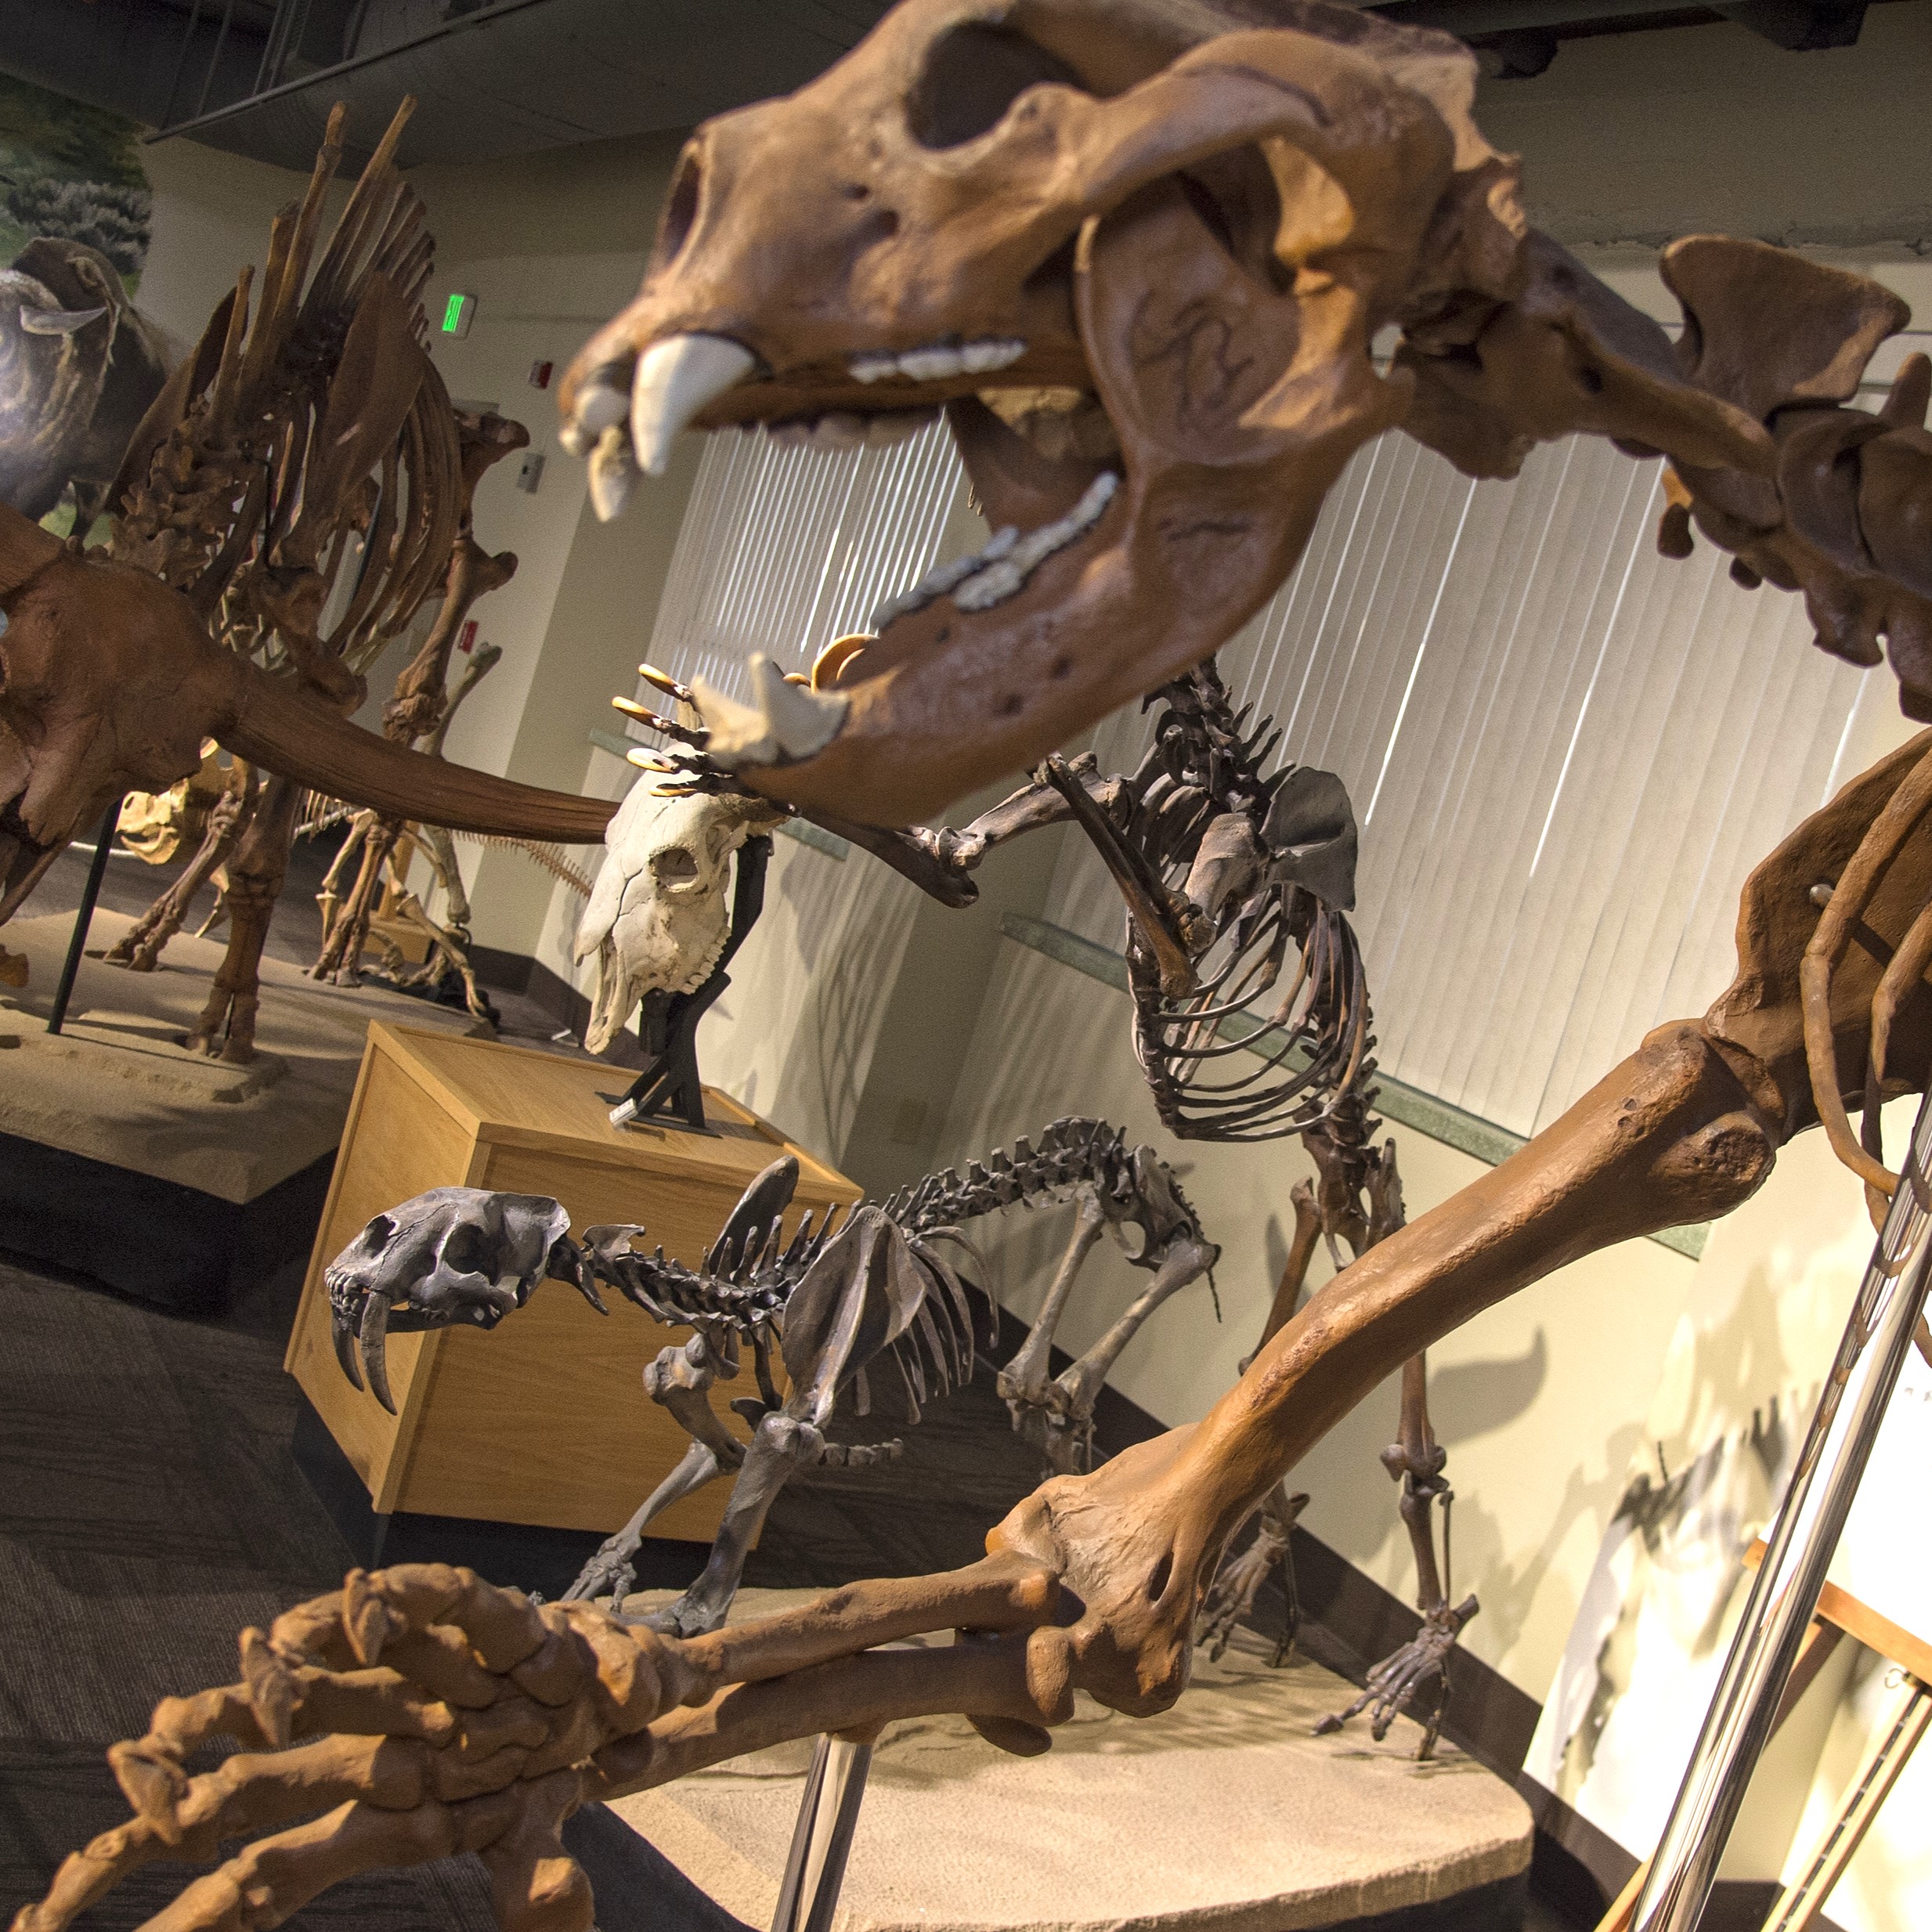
(1138, 250)
(1156, 241)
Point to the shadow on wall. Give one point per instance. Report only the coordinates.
(1469, 1398)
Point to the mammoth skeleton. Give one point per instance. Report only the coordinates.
(1198, 223)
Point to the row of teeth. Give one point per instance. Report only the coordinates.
(938, 362)
(628, 435)
(990, 575)
(842, 429)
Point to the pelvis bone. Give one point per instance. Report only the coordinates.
(1138, 255)
(659, 913)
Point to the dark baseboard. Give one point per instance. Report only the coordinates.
(159, 1242)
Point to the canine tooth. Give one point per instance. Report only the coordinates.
(977, 358)
(57, 321)
(1007, 577)
(675, 379)
(873, 368)
(613, 473)
(785, 722)
(931, 365)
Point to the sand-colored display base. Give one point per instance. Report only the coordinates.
(1224, 1812)
(118, 1085)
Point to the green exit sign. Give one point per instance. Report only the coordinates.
(458, 313)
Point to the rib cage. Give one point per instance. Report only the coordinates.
(1204, 762)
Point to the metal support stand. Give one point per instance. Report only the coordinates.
(669, 1088)
(827, 1812)
(103, 845)
(1800, 1543)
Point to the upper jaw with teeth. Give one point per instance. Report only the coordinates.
(626, 432)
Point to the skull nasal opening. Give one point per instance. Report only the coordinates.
(680, 210)
(973, 74)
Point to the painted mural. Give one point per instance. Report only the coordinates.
(79, 363)
(74, 172)
(1741, 1381)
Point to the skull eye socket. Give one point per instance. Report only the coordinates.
(676, 865)
(680, 211)
(466, 1251)
(973, 74)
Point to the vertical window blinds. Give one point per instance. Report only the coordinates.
(1566, 752)
(782, 549)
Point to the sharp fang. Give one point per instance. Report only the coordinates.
(613, 474)
(675, 379)
(1007, 577)
(786, 721)
(375, 1340)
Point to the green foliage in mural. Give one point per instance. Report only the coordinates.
(72, 171)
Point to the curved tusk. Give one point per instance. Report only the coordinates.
(375, 1338)
(58, 321)
(675, 379)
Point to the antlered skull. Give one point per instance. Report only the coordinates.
(1138, 254)
(660, 914)
(451, 1255)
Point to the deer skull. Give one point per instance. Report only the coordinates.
(660, 914)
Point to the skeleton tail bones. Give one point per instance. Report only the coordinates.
(1093, 1582)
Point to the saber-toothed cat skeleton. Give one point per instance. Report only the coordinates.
(863, 1306)
(1196, 226)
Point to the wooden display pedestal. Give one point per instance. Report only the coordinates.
(545, 1422)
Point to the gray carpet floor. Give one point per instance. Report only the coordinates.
(151, 1508)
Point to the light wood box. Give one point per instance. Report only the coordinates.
(545, 1420)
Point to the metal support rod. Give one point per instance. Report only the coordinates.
(103, 845)
(827, 1812)
(1801, 1541)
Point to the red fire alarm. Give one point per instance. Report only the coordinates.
(466, 637)
(539, 374)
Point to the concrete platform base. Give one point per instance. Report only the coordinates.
(1224, 1813)
(118, 1086)
(169, 1176)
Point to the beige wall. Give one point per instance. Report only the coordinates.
(1642, 137)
